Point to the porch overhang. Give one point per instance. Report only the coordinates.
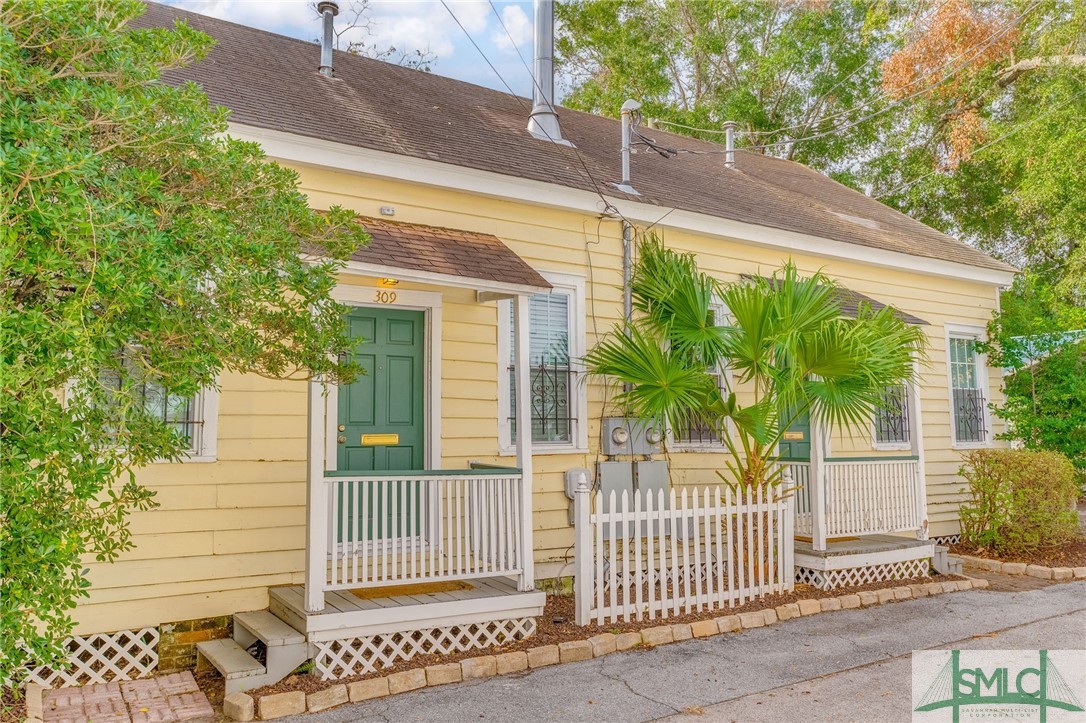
(444, 257)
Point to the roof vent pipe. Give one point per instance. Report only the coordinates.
(328, 10)
(628, 109)
(729, 144)
(543, 121)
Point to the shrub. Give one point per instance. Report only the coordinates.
(1020, 500)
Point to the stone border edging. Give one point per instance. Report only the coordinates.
(243, 707)
(1059, 574)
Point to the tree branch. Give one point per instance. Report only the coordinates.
(1012, 73)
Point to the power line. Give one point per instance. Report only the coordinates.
(608, 207)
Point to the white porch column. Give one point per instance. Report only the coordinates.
(521, 352)
(916, 439)
(316, 523)
(818, 484)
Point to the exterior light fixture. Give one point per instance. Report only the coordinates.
(389, 283)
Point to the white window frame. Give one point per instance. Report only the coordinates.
(907, 445)
(574, 286)
(722, 312)
(975, 333)
(205, 446)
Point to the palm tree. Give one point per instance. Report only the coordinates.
(790, 348)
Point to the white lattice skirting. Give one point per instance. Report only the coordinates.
(948, 539)
(833, 579)
(101, 658)
(354, 656)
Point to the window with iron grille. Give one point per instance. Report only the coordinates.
(892, 425)
(555, 344)
(967, 393)
(184, 414)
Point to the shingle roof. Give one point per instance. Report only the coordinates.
(271, 81)
(850, 304)
(445, 251)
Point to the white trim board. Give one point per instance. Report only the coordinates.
(427, 302)
(317, 152)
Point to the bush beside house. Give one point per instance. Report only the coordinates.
(1019, 500)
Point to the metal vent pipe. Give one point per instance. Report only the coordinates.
(543, 121)
(328, 10)
(729, 143)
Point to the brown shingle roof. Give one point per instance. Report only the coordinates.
(271, 81)
(850, 304)
(445, 251)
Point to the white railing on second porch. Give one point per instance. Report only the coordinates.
(388, 528)
(862, 496)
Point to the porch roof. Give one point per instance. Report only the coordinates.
(446, 253)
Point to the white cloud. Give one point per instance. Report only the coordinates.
(292, 17)
(520, 31)
(426, 25)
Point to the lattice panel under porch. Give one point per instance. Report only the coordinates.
(354, 656)
(104, 657)
(948, 539)
(833, 579)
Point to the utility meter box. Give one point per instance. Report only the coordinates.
(643, 478)
(627, 435)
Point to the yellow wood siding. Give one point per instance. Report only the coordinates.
(227, 530)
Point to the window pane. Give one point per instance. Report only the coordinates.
(176, 411)
(552, 379)
(968, 398)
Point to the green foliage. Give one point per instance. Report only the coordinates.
(1019, 500)
(803, 67)
(1046, 405)
(137, 240)
(786, 342)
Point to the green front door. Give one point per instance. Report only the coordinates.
(381, 424)
(795, 444)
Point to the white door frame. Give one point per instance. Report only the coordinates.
(429, 303)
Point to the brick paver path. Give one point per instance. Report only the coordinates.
(164, 699)
(1009, 583)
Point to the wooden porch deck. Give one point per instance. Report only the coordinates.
(862, 552)
(346, 615)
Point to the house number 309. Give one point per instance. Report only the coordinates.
(386, 297)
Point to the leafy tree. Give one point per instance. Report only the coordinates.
(783, 70)
(786, 342)
(142, 249)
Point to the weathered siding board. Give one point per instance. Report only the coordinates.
(251, 500)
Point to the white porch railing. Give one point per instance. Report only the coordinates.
(391, 528)
(862, 497)
(653, 556)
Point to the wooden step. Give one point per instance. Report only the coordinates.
(269, 629)
(230, 659)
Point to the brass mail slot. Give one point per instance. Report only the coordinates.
(793, 436)
(371, 440)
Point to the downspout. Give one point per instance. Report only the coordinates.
(628, 108)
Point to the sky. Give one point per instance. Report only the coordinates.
(408, 25)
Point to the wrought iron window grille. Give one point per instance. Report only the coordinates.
(552, 403)
(892, 419)
(969, 417)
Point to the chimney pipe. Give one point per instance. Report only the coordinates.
(729, 144)
(328, 10)
(543, 121)
(628, 108)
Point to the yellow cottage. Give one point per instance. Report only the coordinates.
(497, 260)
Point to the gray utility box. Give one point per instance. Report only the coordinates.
(625, 435)
(637, 478)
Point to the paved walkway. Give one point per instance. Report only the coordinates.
(163, 699)
(851, 665)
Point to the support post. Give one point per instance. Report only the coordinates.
(521, 351)
(817, 481)
(788, 522)
(916, 439)
(316, 546)
(583, 584)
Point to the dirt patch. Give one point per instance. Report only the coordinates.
(1070, 554)
(12, 706)
(557, 625)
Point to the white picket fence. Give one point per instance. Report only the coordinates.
(640, 555)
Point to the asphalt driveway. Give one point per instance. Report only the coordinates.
(851, 665)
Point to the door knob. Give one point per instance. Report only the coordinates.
(341, 439)
(343, 427)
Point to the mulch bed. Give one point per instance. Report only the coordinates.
(12, 706)
(1070, 554)
(557, 625)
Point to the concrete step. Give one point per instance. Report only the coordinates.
(265, 627)
(230, 659)
(945, 563)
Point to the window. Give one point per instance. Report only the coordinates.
(968, 405)
(194, 418)
(556, 344)
(692, 432)
(892, 427)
